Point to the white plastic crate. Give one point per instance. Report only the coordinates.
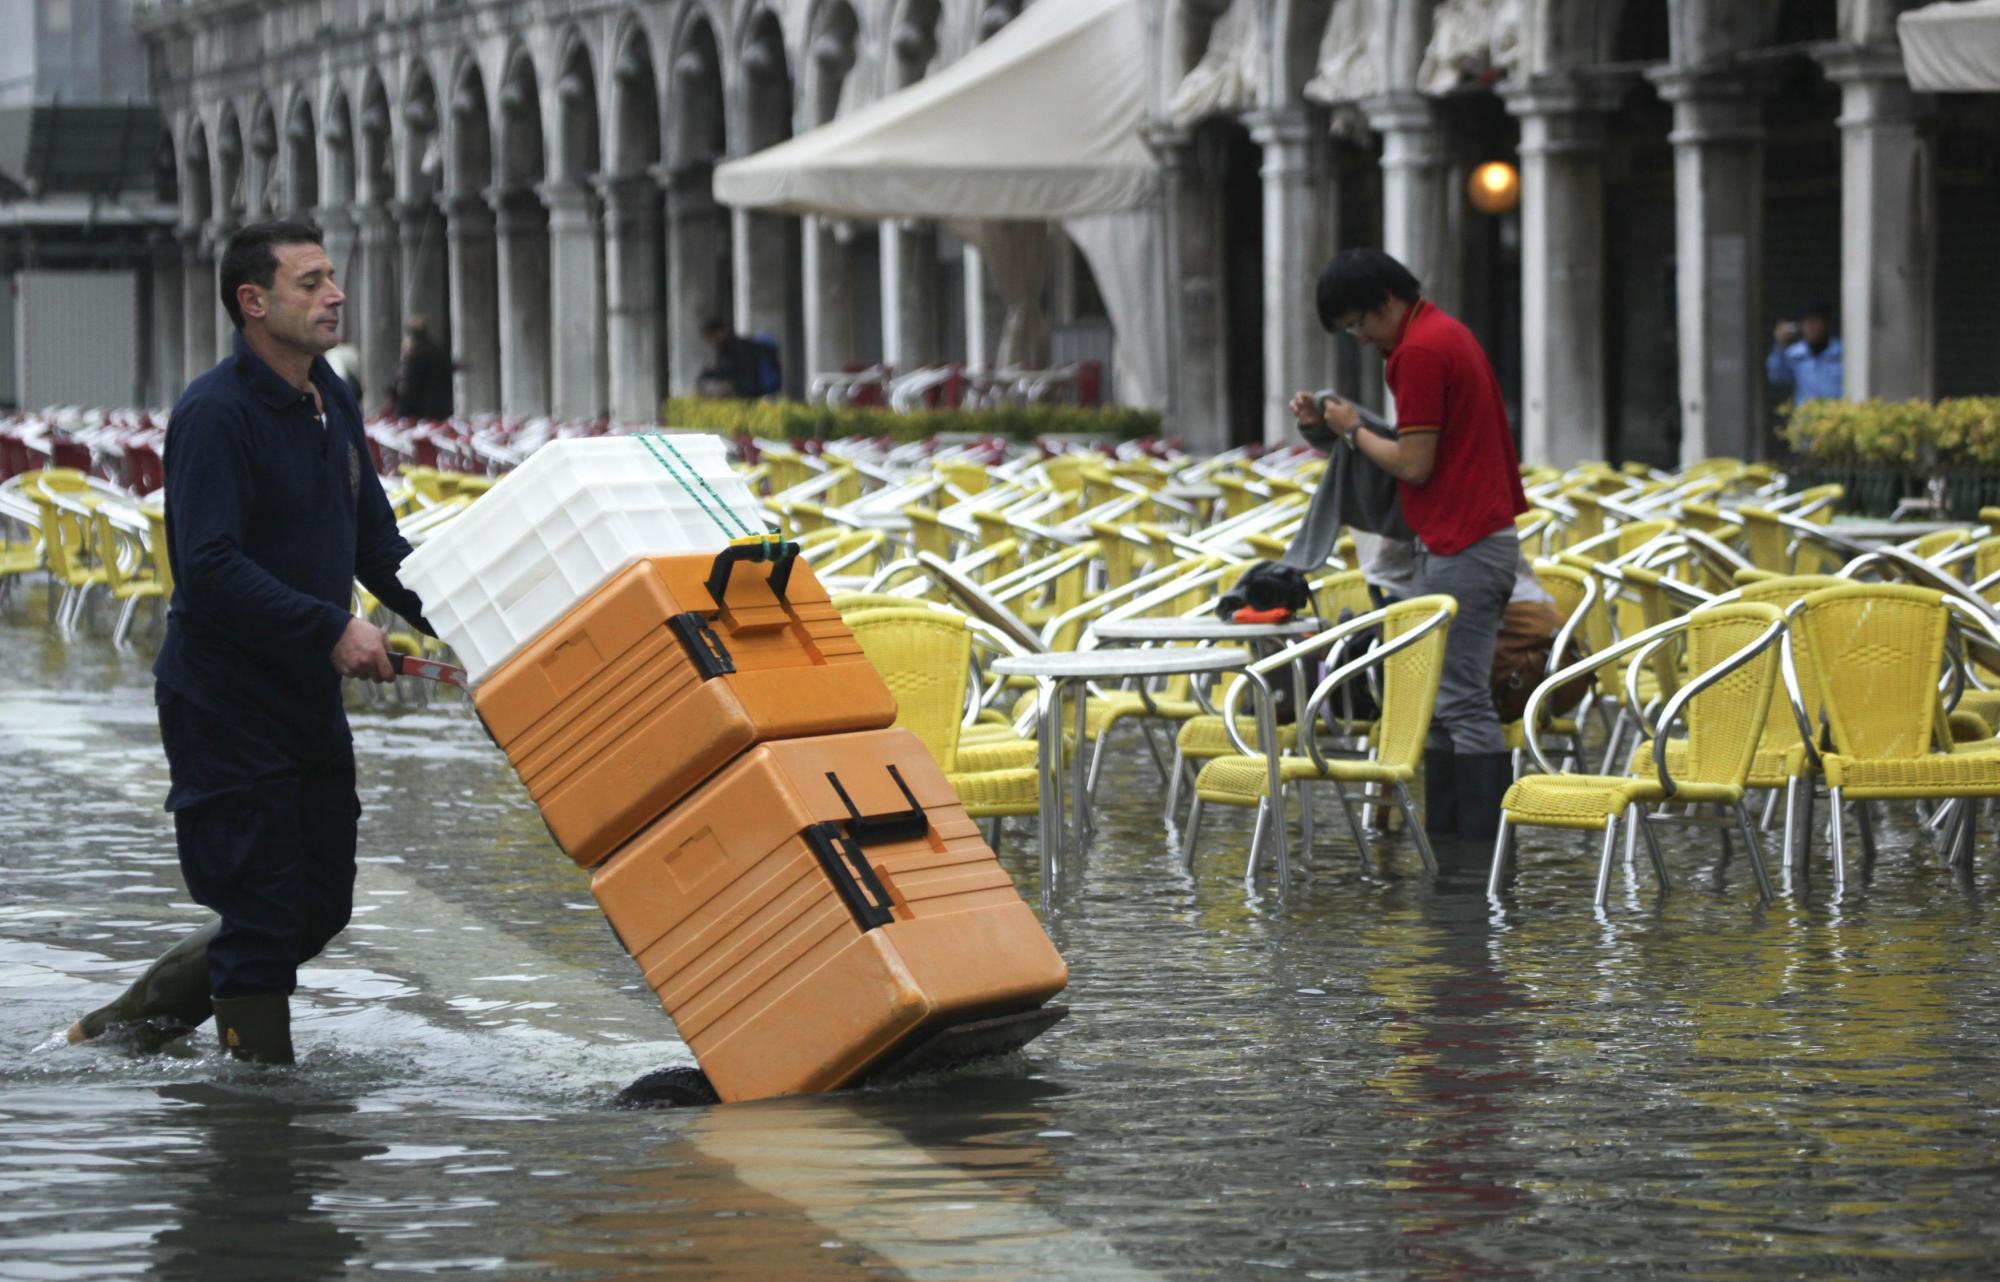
(554, 529)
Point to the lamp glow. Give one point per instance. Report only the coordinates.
(1495, 187)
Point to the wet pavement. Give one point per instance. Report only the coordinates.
(1372, 1076)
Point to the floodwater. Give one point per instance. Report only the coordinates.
(1370, 1077)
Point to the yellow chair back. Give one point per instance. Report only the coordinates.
(1876, 652)
(925, 658)
(1726, 721)
(1410, 680)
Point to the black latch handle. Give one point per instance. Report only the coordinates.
(852, 877)
(780, 555)
(711, 658)
(873, 830)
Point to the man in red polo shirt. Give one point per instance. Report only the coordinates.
(1460, 483)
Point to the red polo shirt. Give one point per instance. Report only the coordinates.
(1443, 383)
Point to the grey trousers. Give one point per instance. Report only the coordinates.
(1480, 579)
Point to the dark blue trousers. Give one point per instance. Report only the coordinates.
(266, 832)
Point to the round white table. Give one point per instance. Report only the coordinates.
(1068, 668)
(1201, 628)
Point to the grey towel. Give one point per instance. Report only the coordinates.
(1353, 491)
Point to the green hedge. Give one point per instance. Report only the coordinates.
(1921, 434)
(794, 420)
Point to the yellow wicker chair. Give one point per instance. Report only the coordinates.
(1875, 651)
(65, 519)
(1778, 763)
(129, 568)
(925, 657)
(1733, 668)
(1411, 658)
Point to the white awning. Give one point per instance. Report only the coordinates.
(1952, 48)
(1040, 122)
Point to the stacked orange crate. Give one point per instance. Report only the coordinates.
(799, 882)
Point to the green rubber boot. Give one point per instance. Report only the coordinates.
(169, 1000)
(257, 1028)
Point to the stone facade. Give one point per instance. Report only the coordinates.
(533, 177)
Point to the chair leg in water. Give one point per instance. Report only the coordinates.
(1756, 853)
(1503, 848)
(1192, 835)
(1604, 861)
(1416, 829)
(1645, 826)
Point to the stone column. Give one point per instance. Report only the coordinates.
(1298, 352)
(576, 310)
(829, 299)
(1562, 274)
(166, 360)
(1416, 193)
(1195, 409)
(697, 273)
(1718, 221)
(1887, 229)
(336, 227)
(198, 302)
(634, 329)
(910, 316)
(521, 243)
(380, 327)
(979, 340)
(475, 305)
(764, 267)
(424, 272)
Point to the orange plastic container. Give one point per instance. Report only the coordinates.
(819, 904)
(646, 688)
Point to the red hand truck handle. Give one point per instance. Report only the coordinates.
(409, 665)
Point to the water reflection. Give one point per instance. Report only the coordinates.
(248, 1199)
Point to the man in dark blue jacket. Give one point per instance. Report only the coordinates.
(272, 513)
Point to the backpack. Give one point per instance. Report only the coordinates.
(770, 371)
(1520, 659)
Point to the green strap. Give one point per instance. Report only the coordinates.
(720, 514)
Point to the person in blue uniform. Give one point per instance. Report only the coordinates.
(272, 514)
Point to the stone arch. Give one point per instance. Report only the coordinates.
(841, 260)
(769, 297)
(698, 231)
(985, 17)
(421, 174)
(576, 237)
(468, 166)
(635, 103)
(577, 153)
(475, 304)
(695, 100)
(375, 172)
(339, 187)
(425, 252)
(197, 181)
(229, 195)
(166, 168)
(199, 302)
(912, 43)
(765, 86)
(301, 163)
(634, 254)
(522, 162)
(1296, 29)
(832, 50)
(521, 233)
(260, 186)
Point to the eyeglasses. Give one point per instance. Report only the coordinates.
(1353, 328)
